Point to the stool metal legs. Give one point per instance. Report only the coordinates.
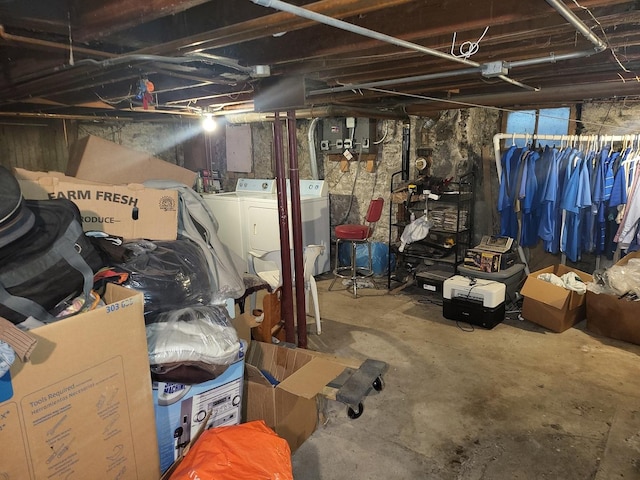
(352, 272)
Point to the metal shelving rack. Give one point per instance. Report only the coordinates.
(444, 248)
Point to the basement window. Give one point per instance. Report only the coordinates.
(545, 121)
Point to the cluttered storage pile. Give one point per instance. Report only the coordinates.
(56, 279)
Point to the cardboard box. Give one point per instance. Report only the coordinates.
(290, 408)
(553, 307)
(99, 160)
(181, 410)
(81, 407)
(487, 261)
(482, 260)
(130, 211)
(614, 317)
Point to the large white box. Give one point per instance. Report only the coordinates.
(181, 410)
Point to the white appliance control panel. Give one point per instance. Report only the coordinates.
(313, 188)
(256, 185)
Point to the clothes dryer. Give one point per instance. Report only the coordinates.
(248, 219)
(261, 214)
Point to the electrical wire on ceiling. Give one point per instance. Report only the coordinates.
(71, 61)
(467, 49)
(353, 28)
(604, 34)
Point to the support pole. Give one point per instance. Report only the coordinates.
(283, 220)
(296, 222)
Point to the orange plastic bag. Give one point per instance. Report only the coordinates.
(250, 451)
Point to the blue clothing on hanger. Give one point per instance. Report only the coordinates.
(601, 195)
(554, 245)
(619, 188)
(610, 212)
(588, 215)
(609, 174)
(530, 213)
(576, 197)
(508, 192)
(548, 198)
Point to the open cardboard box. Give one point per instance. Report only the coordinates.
(130, 211)
(81, 406)
(612, 316)
(290, 407)
(99, 160)
(550, 306)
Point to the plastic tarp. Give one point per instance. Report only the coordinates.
(250, 450)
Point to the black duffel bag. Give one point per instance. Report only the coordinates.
(51, 263)
(171, 274)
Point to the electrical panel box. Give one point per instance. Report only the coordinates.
(339, 135)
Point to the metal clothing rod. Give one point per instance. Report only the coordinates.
(602, 139)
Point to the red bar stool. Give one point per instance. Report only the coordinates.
(355, 235)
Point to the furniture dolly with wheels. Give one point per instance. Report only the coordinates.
(352, 386)
(354, 383)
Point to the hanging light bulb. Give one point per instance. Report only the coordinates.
(208, 123)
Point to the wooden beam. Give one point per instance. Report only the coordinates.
(101, 19)
(570, 93)
(269, 25)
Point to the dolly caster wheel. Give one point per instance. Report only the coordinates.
(378, 384)
(353, 414)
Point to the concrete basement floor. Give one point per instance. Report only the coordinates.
(515, 402)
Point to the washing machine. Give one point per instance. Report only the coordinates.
(228, 208)
(248, 219)
(261, 215)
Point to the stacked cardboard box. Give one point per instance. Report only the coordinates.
(614, 316)
(492, 254)
(129, 211)
(74, 443)
(81, 406)
(99, 160)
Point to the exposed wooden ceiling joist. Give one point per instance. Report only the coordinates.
(75, 55)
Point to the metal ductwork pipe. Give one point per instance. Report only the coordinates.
(578, 24)
(320, 112)
(397, 81)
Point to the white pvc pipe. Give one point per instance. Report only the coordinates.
(312, 148)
